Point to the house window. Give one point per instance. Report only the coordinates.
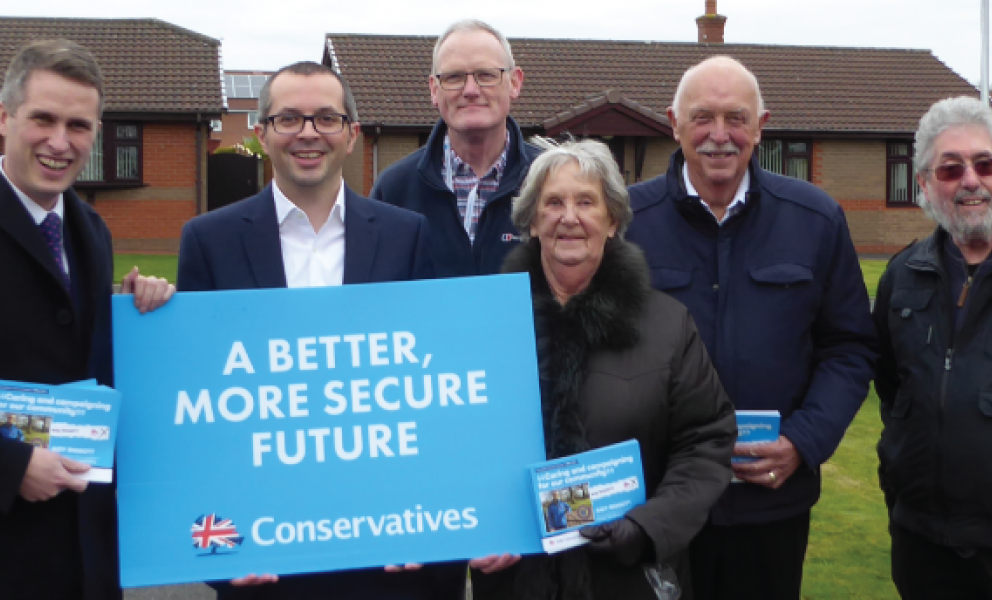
(900, 185)
(116, 155)
(252, 119)
(216, 125)
(785, 157)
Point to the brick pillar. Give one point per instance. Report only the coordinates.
(368, 177)
(710, 28)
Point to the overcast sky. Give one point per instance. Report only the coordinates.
(266, 35)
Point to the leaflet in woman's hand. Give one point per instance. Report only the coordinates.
(585, 489)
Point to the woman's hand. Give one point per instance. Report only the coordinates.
(494, 562)
(622, 540)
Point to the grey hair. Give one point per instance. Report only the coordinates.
(62, 57)
(306, 68)
(950, 112)
(594, 160)
(472, 25)
(680, 90)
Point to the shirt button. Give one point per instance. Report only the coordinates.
(716, 286)
(906, 312)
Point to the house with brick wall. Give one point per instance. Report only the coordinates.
(147, 173)
(241, 89)
(842, 118)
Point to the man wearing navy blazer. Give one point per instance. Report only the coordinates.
(308, 229)
(58, 535)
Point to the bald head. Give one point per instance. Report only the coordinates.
(717, 119)
(719, 68)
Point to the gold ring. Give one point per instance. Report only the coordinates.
(771, 476)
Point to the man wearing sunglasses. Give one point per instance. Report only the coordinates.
(934, 376)
(308, 229)
(463, 179)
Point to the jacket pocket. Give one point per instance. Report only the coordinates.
(905, 302)
(902, 404)
(985, 402)
(783, 274)
(665, 279)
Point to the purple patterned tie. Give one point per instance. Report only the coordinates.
(51, 230)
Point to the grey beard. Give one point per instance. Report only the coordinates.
(963, 229)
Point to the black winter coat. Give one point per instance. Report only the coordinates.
(620, 361)
(936, 400)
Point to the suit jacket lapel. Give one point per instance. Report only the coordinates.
(261, 241)
(360, 238)
(17, 222)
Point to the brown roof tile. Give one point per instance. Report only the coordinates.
(841, 90)
(149, 65)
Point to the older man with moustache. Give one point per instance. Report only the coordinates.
(475, 160)
(766, 266)
(58, 535)
(935, 372)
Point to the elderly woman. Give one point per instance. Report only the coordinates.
(618, 361)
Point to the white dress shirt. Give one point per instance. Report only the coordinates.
(38, 213)
(310, 258)
(735, 205)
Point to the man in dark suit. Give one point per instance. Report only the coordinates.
(308, 229)
(56, 268)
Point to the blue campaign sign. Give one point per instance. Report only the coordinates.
(292, 431)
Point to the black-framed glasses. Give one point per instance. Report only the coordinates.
(955, 171)
(456, 80)
(324, 122)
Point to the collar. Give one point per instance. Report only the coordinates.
(457, 164)
(37, 213)
(285, 206)
(736, 204)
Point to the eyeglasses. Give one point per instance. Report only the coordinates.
(325, 122)
(955, 171)
(456, 80)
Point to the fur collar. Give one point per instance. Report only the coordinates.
(607, 310)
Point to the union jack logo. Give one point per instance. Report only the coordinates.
(212, 531)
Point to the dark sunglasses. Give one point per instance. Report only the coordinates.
(955, 171)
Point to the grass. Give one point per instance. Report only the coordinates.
(871, 270)
(159, 265)
(848, 554)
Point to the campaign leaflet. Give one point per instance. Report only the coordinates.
(755, 427)
(585, 489)
(77, 420)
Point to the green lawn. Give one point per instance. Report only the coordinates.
(872, 269)
(848, 555)
(159, 265)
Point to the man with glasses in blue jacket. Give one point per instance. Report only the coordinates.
(472, 166)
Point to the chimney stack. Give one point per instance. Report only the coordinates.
(711, 25)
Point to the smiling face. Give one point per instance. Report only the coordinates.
(49, 137)
(571, 220)
(474, 109)
(307, 163)
(961, 206)
(718, 125)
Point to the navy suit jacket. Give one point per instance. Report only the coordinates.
(238, 247)
(65, 547)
